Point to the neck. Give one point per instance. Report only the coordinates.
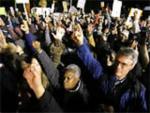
(120, 78)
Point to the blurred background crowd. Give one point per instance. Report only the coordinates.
(74, 59)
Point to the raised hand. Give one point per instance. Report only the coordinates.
(47, 19)
(60, 32)
(2, 22)
(32, 74)
(37, 46)
(19, 50)
(3, 42)
(25, 27)
(77, 35)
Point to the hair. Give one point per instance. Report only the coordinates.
(129, 52)
(75, 68)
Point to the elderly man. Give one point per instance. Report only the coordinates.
(72, 94)
(119, 90)
(69, 90)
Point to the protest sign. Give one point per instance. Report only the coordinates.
(65, 6)
(81, 4)
(131, 14)
(2, 11)
(116, 11)
(41, 11)
(73, 10)
(22, 1)
(102, 4)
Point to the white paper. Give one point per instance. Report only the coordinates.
(129, 21)
(73, 10)
(22, 1)
(2, 11)
(116, 12)
(65, 6)
(81, 4)
(41, 11)
(133, 10)
(52, 8)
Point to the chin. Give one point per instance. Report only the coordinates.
(66, 87)
(118, 74)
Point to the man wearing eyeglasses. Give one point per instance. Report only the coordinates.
(119, 91)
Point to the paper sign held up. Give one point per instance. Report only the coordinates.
(73, 10)
(131, 13)
(81, 4)
(41, 11)
(65, 6)
(133, 10)
(22, 1)
(2, 11)
(117, 5)
(102, 4)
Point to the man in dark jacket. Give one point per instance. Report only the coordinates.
(73, 94)
(118, 90)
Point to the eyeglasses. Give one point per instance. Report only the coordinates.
(122, 64)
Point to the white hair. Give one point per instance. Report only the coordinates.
(129, 52)
(74, 67)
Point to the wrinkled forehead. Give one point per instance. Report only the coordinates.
(124, 59)
(70, 72)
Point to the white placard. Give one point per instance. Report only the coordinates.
(41, 11)
(73, 10)
(65, 6)
(133, 10)
(81, 4)
(22, 1)
(2, 11)
(102, 4)
(131, 13)
(116, 12)
(52, 7)
(12, 10)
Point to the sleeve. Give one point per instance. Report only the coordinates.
(89, 61)
(48, 66)
(48, 103)
(143, 99)
(47, 36)
(29, 38)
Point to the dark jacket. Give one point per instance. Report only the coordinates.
(107, 87)
(16, 96)
(70, 100)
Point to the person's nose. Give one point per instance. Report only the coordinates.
(119, 66)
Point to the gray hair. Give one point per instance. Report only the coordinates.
(129, 52)
(74, 67)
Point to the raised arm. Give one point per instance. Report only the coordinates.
(46, 101)
(47, 64)
(85, 55)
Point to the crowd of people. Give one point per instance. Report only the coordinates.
(77, 62)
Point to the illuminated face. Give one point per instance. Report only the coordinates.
(124, 64)
(70, 80)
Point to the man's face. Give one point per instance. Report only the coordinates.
(124, 64)
(70, 80)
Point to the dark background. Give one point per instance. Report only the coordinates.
(90, 4)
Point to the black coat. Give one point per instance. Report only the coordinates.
(16, 96)
(70, 101)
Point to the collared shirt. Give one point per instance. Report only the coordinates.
(107, 83)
